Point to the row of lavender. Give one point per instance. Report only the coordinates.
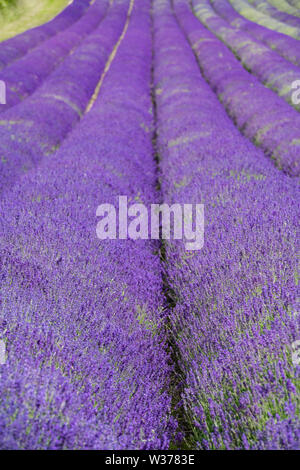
(235, 316)
(248, 11)
(280, 6)
(270, 10)
(286, 46)
(36, 127)
(16, 47)
(23, 76)
(258, 112)
(271, 69)
(87, 361)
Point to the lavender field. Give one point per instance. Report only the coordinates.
(136, 342)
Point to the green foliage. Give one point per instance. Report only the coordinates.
(5, 4)
(17, 16)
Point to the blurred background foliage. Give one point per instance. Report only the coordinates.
(17, 16)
